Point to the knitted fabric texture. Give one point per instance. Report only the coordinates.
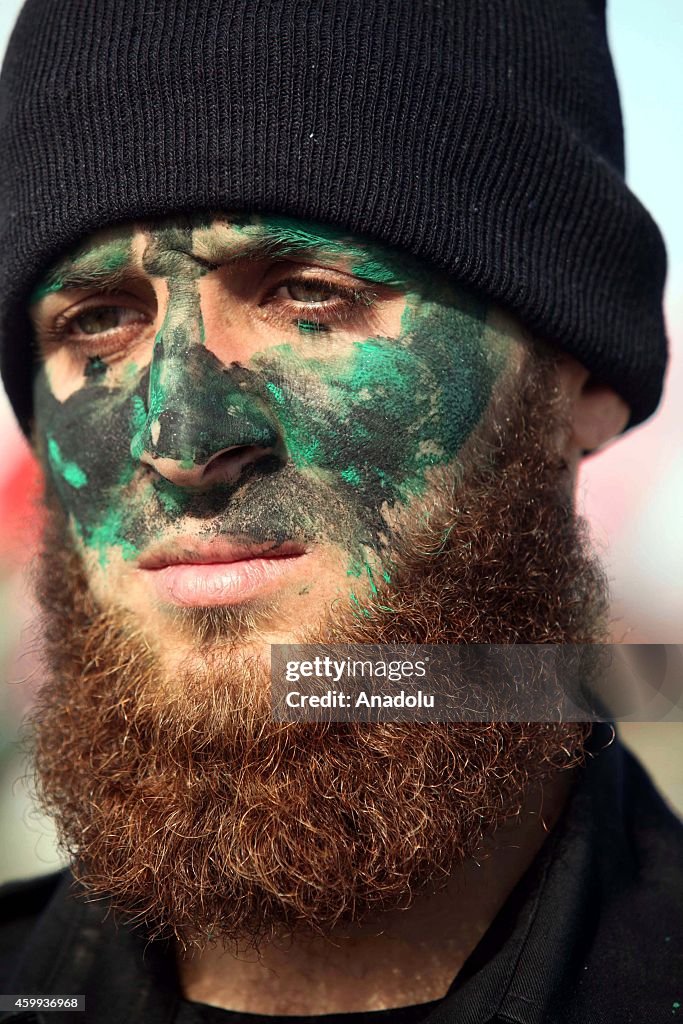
(483, 136)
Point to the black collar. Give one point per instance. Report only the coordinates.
(536, 942)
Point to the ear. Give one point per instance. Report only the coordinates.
(596, 413)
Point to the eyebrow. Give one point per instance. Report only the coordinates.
(275, 244)
(63, 278)
(366, 258)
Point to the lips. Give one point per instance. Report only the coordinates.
(190, 551)
(189, 572)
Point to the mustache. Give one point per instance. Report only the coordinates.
(271, 504)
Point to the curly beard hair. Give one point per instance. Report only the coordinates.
(196, 816)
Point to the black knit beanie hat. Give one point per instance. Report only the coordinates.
(483, 136)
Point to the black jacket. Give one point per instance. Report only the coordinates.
(592, 934)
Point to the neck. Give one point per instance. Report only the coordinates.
(405, 958)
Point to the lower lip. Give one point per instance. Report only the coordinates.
(219, 582)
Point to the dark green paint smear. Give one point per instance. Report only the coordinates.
(405, 405)
(95, 368)
(179, 344)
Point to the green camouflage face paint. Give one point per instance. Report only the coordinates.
(349, 429)
(194, 407)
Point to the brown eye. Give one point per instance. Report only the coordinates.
(103, 319)
(306, 291)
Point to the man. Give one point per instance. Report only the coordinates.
(310, 312)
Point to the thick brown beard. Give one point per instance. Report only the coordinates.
(198, 817)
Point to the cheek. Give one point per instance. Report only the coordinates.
(85, 445)
(376, 421)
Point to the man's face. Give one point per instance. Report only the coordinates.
(257, 431)
(244, 413)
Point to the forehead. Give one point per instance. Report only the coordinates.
(215, 239)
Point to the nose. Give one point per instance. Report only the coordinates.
(204, 423)
(224, 466)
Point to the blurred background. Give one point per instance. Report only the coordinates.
(632, 493)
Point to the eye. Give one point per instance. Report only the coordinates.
(307, 291)
(103, 320)
(317, 303)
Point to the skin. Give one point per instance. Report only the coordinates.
(307, 393)
(228, 409)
